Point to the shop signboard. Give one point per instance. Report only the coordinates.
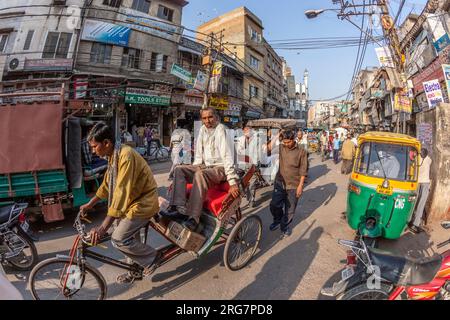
(446, 68)
(181, 73)
(425, 136)
(201, 81)
(376, 93)
(153, 26)
(385, 57)
(434, 93)
(219, 103)
(48, 64)
(81, 86)
(144, 96)
(402, 102)
(193, 101)
(440, 37)
(106, 33)
(178, 98)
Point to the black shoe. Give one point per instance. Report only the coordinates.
(191, 224)
(415, 229)
(173, 215)
(274, 226)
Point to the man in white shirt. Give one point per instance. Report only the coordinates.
(424, 190)
(213, 164)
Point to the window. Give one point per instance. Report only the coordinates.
(165, 13)
(113, 3)
(3, 42)
(395, 161)
(28, 40)
(254, 91)
(159, 62)
(254, 35)
(131, 58)
(101, 53)
(141, 5)
(57, 45)
(254, 63)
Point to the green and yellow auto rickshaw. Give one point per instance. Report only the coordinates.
(383, 186)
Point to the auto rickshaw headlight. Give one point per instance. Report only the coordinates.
(385, 184)
(371, 223)
(354, 189)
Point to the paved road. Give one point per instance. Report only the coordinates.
(293, 268)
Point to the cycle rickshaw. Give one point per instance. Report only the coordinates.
(72, 277)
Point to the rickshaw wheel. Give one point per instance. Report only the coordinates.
(242, 243)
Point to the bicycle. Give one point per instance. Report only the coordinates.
(72, 275)
(158, 153)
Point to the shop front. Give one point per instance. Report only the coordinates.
(151, 107)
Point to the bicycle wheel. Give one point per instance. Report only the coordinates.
(46, 284)
(28, 257)
(162, 155)
(242, 243)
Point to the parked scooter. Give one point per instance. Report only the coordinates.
(373, 274)
(16, 245)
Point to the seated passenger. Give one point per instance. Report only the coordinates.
(213, 164)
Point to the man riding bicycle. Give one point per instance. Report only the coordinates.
(131, 191)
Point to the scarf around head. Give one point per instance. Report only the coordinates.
(113, 167)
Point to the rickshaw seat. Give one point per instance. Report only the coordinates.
(214, 198)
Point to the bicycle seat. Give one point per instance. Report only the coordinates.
(214, 198)
(5, 213)
(405, 271)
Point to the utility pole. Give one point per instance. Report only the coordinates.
(209, 61)
(391, 35)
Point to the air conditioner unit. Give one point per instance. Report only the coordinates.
(14, 64)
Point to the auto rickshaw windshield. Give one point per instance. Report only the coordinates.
(391, 161)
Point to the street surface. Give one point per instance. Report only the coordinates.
(293, 268)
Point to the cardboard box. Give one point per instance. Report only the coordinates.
(185, 238)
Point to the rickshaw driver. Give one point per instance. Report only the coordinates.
(213, 164)
(386, 163)
(132, 196)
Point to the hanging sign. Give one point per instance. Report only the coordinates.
(434, 93)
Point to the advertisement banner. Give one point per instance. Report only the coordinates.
(106, 33)
(436, 28)
(219, 103)
(48, 64)
(200, 81)
(181, 73)
(215, 78)
(446, 68)
(153, 26)
(434, 93)
(402, 102)
(385, 57)
(144, 96)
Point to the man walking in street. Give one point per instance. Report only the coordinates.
(336, 148)
(348, 154)
(424, 190)
(213, 165)
(288, 186)
(132, 194)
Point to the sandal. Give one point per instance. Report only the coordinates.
(128, 277)
(149, 270)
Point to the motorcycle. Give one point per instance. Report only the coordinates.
(373, 274)
(17, 247)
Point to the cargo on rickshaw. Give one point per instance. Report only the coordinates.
(383, 186)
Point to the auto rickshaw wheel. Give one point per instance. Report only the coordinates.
(242, 243)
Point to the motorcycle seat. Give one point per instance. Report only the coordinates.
(404, 271)
(214, 198)
(5, 212)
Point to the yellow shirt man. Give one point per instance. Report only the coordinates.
(136, 193)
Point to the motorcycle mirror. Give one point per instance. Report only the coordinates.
(445, 224)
